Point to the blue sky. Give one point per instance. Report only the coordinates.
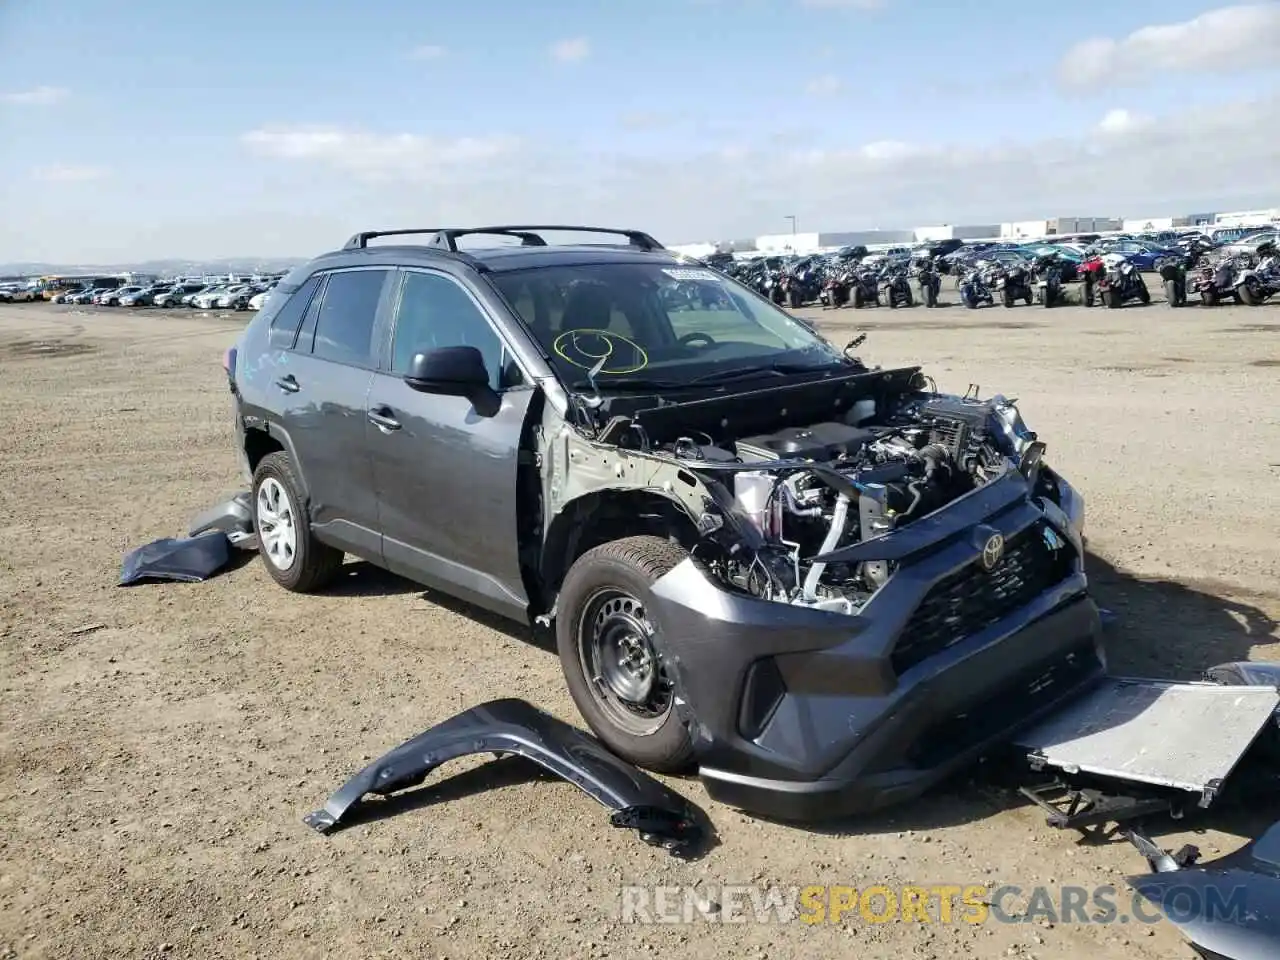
(275, 128)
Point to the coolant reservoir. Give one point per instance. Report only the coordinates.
(752, 490)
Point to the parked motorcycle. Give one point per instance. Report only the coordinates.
(896, 287)
(1173, 274)
(1090, 272)
(974, 289)
(866, 288)
(1046, 274)
(1216, 281)
(1121, 282)
(1013, 282)
(836, 288)
(929, 279)
(1256, 284)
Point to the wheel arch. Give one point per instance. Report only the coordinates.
(263, 439)
(602, 516)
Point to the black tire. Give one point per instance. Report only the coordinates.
(629, 567)
(1246, 295)
(1006, 296)
(858, 302)
(1110, 299)
(930, 296)
(1171, 292)
(795, 298)
(908, 298)
(1144, 293)
(315, 564)
(1208, 297)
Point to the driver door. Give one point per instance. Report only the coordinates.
(445, 475)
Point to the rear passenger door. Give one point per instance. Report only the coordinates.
(445, 473)
(325, 393)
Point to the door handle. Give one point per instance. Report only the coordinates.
(381, 418)
(288, 383)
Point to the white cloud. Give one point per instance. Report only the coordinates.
(571, 50)
(1126, 162)
(68, 173)
(427, 51)
(1120, 121)
(36, 96)
(824, 86)
(374, 156)
(1227, 39)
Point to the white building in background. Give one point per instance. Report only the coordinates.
(1024, 229)
(986, 231)
(1248, 218)
(776, 243)
(1147, 224)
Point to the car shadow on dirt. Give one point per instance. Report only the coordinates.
(1155, 628)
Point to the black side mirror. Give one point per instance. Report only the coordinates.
(453, 371)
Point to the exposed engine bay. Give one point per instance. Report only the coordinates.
(807, 492)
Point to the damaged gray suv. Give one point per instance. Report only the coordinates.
(824, 585)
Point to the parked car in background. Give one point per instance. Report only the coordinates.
(112, 298)
(178, 294)
(17, 293)
(207, 299)
(1139, 253)
(142, 298)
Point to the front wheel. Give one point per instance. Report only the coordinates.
(1208, 297)
(612, 654)
(1171, 293)
(1144, 294)
(795, 299)
(1006, 297)
(293, 556)
(930, 296)
(1111, 299)
(1247, 295)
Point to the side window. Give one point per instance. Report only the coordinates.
(284, 325)
(435, 311)
(344, 324)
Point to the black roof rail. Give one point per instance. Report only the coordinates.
(446, 238)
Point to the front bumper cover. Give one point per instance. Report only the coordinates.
(800, 714)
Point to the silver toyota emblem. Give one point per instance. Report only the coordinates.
(992, 551)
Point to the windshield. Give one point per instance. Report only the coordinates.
(667, 325)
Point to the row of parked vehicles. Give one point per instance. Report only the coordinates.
(1110, 269)
(195, 294)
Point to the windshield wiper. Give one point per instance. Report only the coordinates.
(603, 385)
(768, 369)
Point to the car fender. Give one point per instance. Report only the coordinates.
(280, 435)
(509, 726)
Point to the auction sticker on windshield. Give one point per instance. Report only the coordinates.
(676, 273)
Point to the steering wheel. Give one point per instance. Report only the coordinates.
(696, 336)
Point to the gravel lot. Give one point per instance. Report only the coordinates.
(161, 743)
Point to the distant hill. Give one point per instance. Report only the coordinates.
(162, 267)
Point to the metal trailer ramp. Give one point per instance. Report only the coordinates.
(1151, 739)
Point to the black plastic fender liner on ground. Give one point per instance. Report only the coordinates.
(1228, 908)
(661, 816)
(185, 559)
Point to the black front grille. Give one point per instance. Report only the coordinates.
(972, 599)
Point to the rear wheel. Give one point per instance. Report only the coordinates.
(1248, 295)
(611, 652)
(293, 556)
(1208, 297)
(1171, 292)
(1144, 294)
(1006, 296)
(1111, 299)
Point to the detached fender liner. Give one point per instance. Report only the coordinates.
(1229, 907)
(661, 816)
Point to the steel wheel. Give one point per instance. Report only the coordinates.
(276, 524)
(616, 652)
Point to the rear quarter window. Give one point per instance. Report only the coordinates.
(285, 312)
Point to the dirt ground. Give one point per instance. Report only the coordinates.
(162, 743)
